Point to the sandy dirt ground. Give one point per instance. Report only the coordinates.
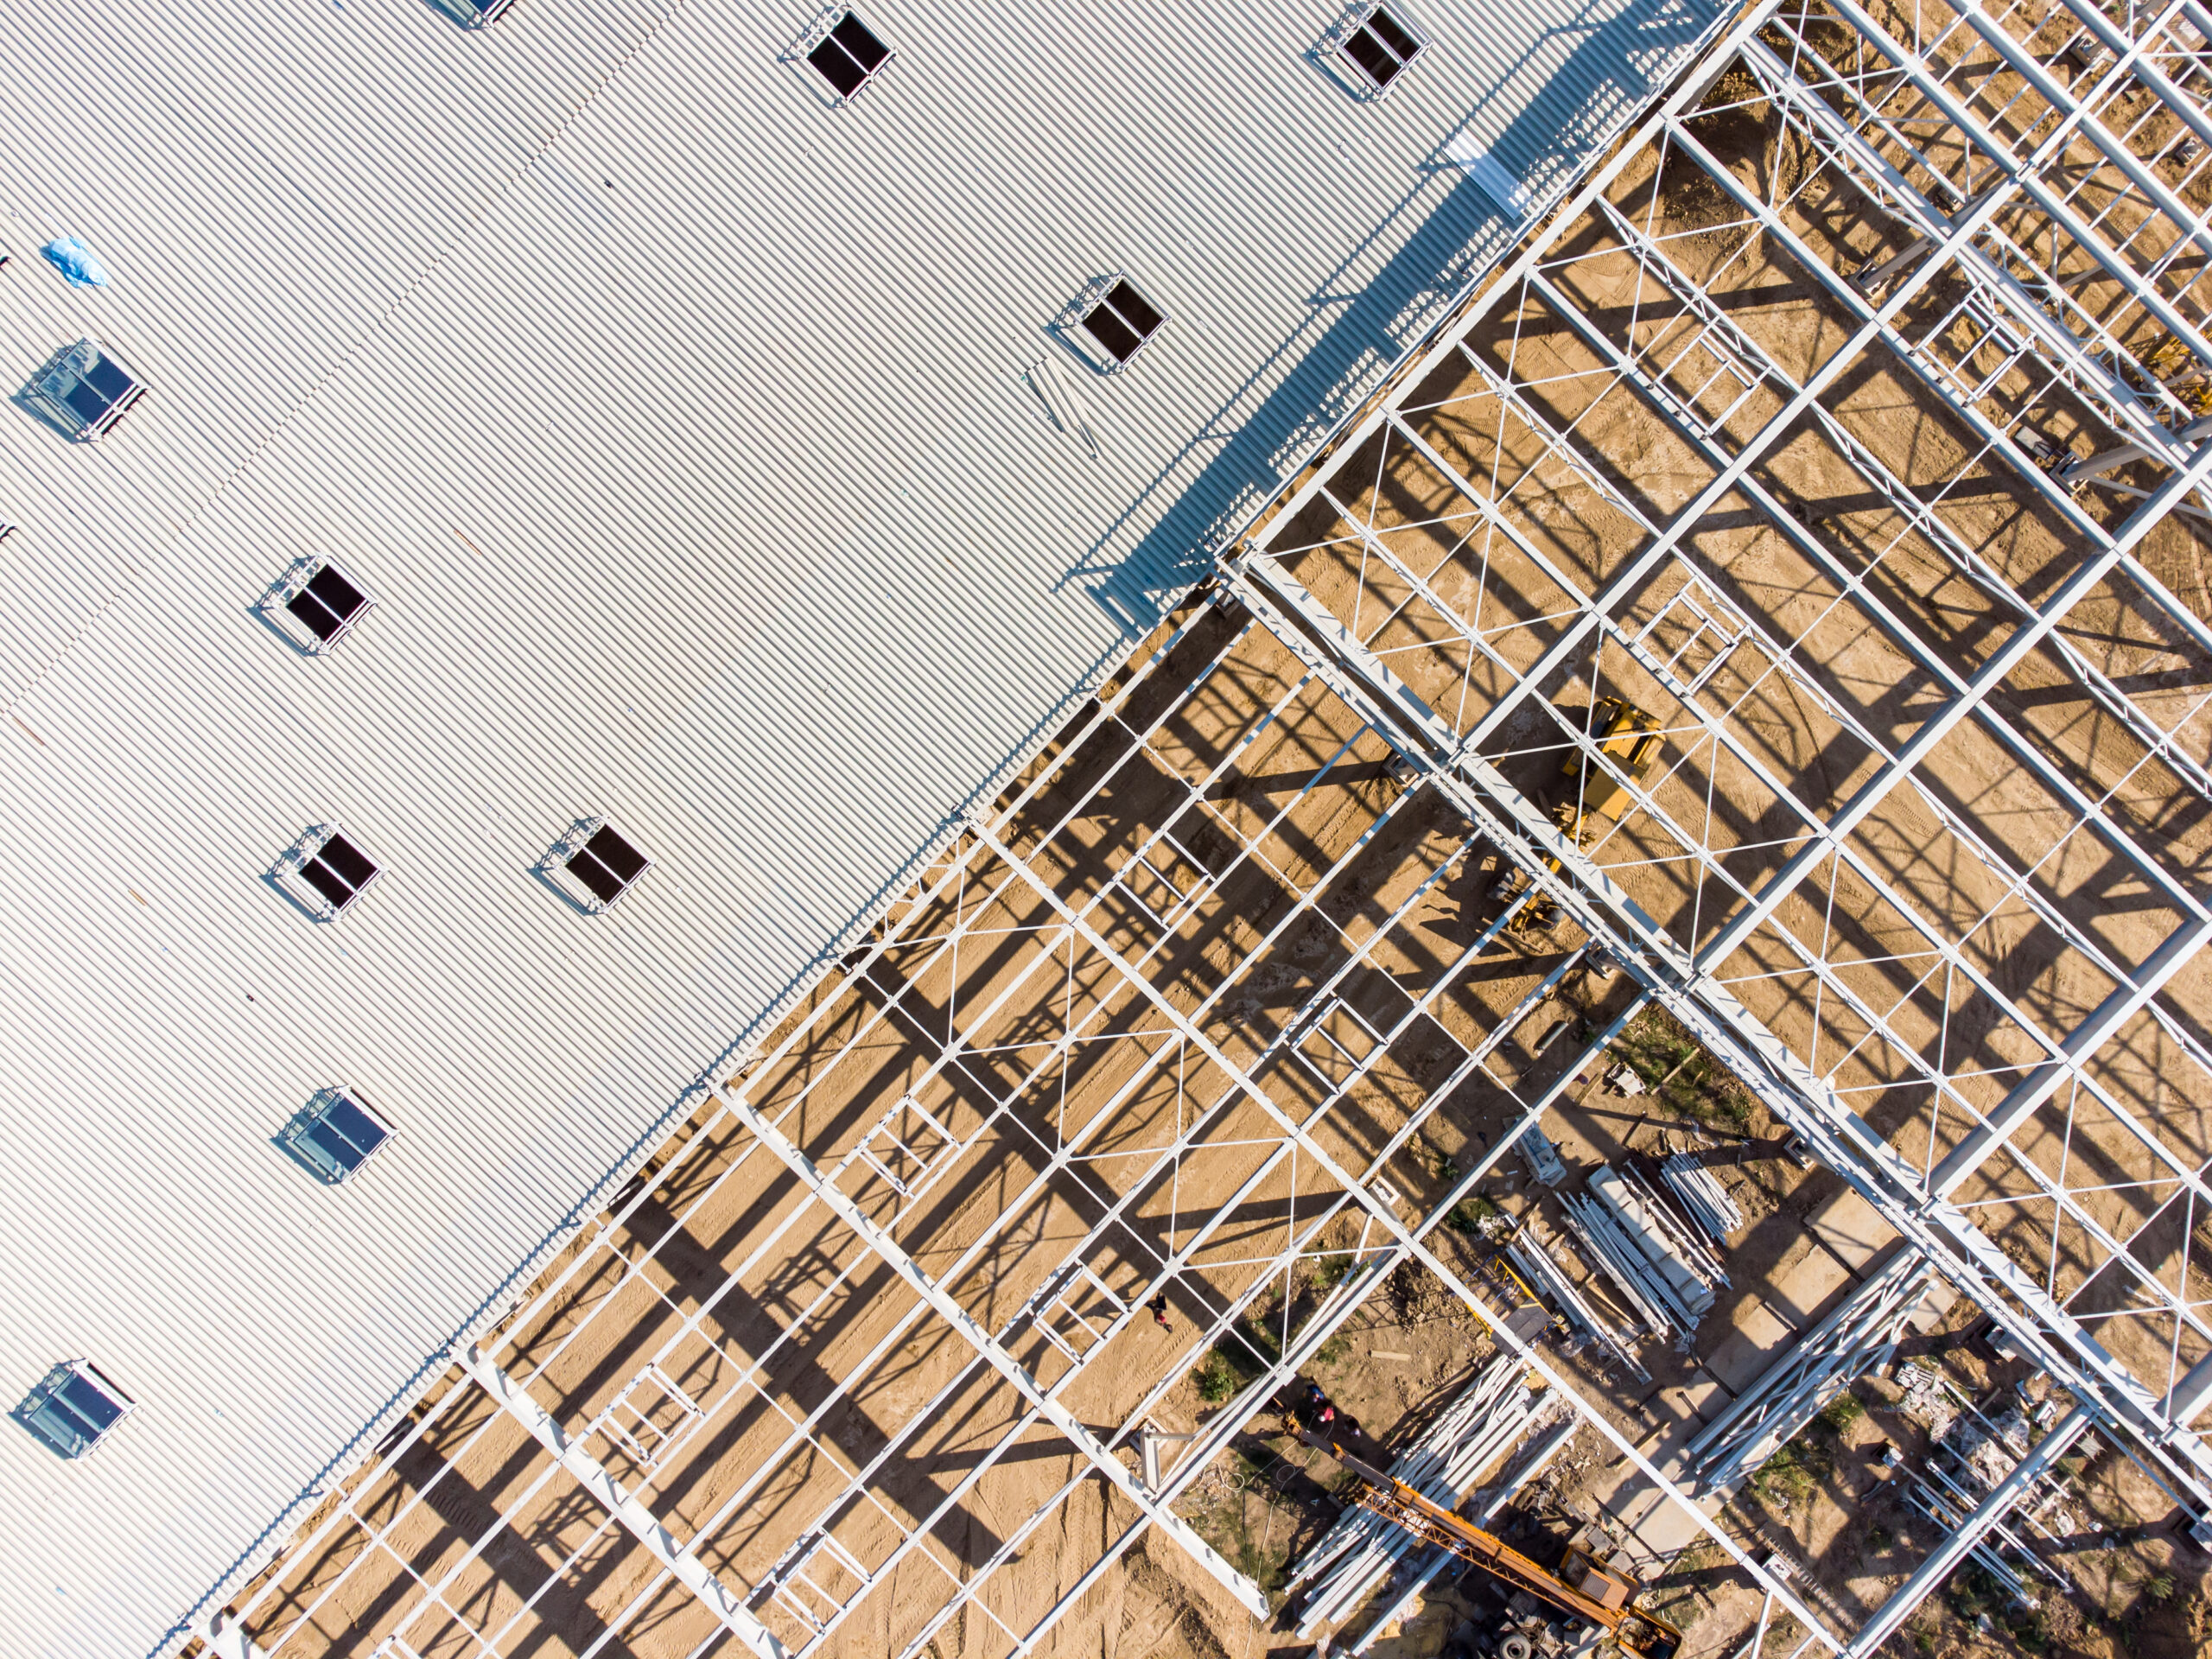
(1055, 1079)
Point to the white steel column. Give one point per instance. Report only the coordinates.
(949, 1308)
(639, 1521)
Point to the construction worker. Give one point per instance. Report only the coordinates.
(1159, 1306)
(1313, 1406)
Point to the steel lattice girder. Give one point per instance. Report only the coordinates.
(1901, 1195)
(2136, 989)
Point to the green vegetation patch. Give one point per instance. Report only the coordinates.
(1840, 1413)
(1973, 1591)
(1794, 1471)
(1684, 1080)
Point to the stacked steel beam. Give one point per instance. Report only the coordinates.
(1687, 1245)
(1355, 1555)
(1664, 1270)
(1702, 1195)
(1599, 1234)
(1528, 1252)
(1482, 1511)
(1858, 1336)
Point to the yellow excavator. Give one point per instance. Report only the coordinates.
(1630, 738)
(1585, 1587)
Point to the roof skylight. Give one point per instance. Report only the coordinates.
(1381, 46)
(75, 1408)
(1122, 321)
(325, 872)
(336, 1134)
(849, 54)
(86, 389)
(320, 604)
(601, 861)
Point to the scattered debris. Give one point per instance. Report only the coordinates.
(1541, 1156)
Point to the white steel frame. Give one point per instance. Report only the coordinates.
(1868, 123)
(2045, 297)
(1288, 1144)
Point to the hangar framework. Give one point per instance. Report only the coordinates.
(1849, 420)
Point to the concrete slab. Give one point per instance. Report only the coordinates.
(1757, 1339)
(1849, 1226)
(1652, 1525)
(1927, 1312)
(1801, 1284)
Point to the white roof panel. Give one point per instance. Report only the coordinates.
(677, 421)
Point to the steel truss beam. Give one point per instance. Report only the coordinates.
(1888, 190)
(1906, 641)
(1406, 1244)
(1930, 1223)
(1891, 193)
(1688, 990)
(1289, 1029)
(639, 1521)
(2136, 989)
(947, 1308)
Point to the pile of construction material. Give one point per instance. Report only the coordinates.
(1971, 1457)
(1352, 1559)
(1667, 1272)
(1702, 1195)
(1483, 1509)
(1859, 1337)
(1531, 1254)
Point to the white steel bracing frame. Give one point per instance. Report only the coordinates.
(2024, 307)
(873, 1206)
(816, 1541)
(1878, 120)
(682, 1564)
(993, 1353)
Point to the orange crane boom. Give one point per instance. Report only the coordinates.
(1588, 1589)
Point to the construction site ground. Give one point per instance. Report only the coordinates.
(1116, 961)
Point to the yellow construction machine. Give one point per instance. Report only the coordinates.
(1585, 1587)
(1630, 738)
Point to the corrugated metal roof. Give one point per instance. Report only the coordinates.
(678, 423)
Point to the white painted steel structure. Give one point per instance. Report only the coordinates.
(2039, 276)
(684, 427)
(1991, 270)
